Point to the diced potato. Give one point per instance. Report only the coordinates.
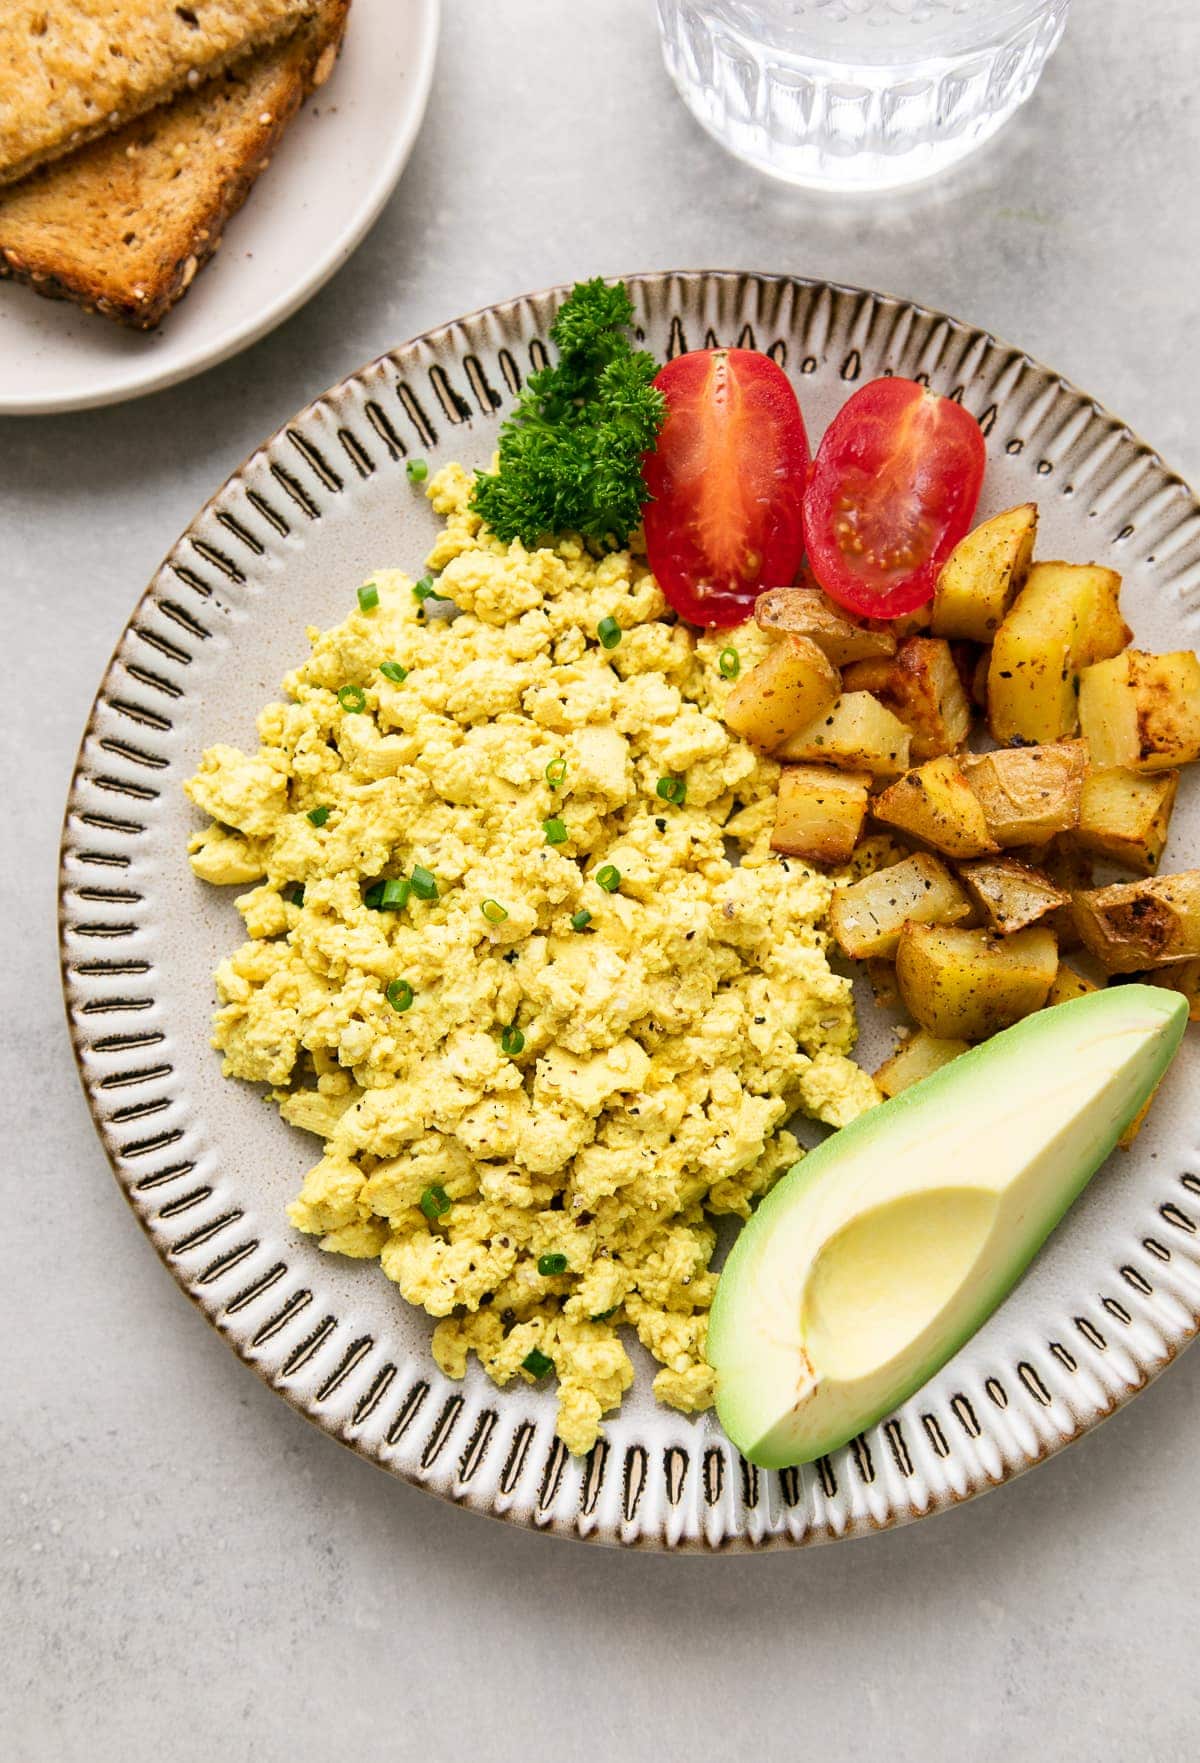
(882, 976)
(793, 683)
(867, 916)
(1069, 984)
(983, 574)
(1183, 977)
(807, 612)
(856, 732)
(1132, 925)
(1142, 711)
(920, 685)
(1065, 617)
(979, 680)
(1028, 793)
(918, 1055)
(1069, 869)
(820, 812)
(1126, 815)
(968, 984)
(1011, 893)
(874, 851)
(935, 804)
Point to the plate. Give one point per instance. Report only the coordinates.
(208, 1169)
(335, 168)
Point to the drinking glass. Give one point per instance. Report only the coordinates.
(856, 94)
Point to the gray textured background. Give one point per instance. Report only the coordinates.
(192, 1572)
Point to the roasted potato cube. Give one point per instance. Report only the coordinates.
(820, 812)
(920, 685)
(867, 916)
(807, 612)
(793, 683)
(968, 984)
(1069, 984)
(1183, 977)
(1132, 925)
(1011, 893)
(918, 1055)
(856, 732)
(1065, 617)
(882, 976)
(983, 574)
(1028, 793)
(935, 804)
(1126, 815)
(874, 851)
(1142, 711)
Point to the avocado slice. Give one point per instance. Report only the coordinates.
(874, 1259)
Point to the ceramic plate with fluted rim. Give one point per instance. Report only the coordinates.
(208, 1168)
(328, 180)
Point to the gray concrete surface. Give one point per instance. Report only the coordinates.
(190, 1571)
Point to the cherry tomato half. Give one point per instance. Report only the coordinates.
(893, 489)
(727, 480)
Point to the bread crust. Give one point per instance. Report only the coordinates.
(37, 248)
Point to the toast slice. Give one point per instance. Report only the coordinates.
(122, 225)
(74, 69)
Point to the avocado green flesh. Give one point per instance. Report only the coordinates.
(872, 1261)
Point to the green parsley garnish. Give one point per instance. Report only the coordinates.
(353, 699)
(393, 896)
(555, 831)
(556, 773)
(512, 1041)
(392, 670)
(417, 471)
(609, 878)
(730, 663)
(581, 919)
(549, 1265)
(571, 452)
(494, 912)
(609, 633)
(536, 1363)
(435, 1202)
(424, 883)
(671, 789)
(368, 598)
(399, 995)
(424, 589)
(318, 816)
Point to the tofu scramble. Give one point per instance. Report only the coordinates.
(501, 964)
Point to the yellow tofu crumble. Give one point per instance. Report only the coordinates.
(537, 1089)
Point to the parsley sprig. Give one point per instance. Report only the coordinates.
(571, 453)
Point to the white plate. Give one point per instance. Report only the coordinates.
(208, 1170)
(332, 173)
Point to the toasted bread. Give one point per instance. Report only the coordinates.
(74, 69)
(123, 224)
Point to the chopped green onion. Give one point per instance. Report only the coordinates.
(417, 471)
(424, 883)
(609, 633)
(368, 598)
(556, 772)
(555, 831)
(374, 896)
(425, 589)
(394, 894)
(399, 995)
(552, 1264)
(294, 894)
(494, 912)
(536, 1363)
(609, 878)
(605, 1315)
(435, 1202)
(581, 919)
(672, 789)
(353, 699)
(392, 670)
(512, 1041)
(318, 816)
(729, 662)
